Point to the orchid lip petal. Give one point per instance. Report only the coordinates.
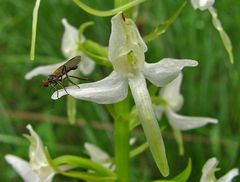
(148, 121)
(106, 91)
(22, 167)
(186, 122)
(42, 70)
(166, 70)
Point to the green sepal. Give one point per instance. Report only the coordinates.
(84, 26)
(96, 52)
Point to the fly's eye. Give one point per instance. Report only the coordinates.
(45, 83)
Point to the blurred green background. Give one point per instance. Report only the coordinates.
(211, 89)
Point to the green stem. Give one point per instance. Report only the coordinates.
(119, 3)
(34, 29)
(122, 136)
(108, 12)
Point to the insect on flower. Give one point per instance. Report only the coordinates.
(62, 73)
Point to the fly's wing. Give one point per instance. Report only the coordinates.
(71, 64)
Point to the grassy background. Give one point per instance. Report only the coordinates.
(211, 89)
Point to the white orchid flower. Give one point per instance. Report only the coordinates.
(208, 5)
(38, 168)
(99, 156)
(202, 4)
(174, 101)
(126, 52)
(70, 41)
(209, 169)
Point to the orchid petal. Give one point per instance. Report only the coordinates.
(185, 122)
(202, 4)
(86, 65)
(42, 70)
(126, 39)
(171, 93)
(23, 168)
(98, 155)
(229, 176)
(36, 150)
(106, 91)
(164, 71)
(69, 40)
(208, 170)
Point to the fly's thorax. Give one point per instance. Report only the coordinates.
(53, 79)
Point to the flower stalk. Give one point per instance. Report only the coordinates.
(122, 135)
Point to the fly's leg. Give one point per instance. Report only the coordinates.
(61, 85)
(77, 77)
(54, 89)
(64, 71)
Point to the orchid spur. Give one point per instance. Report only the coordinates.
(209, 169)
(126, 53)
(37, 169)
(70, 41)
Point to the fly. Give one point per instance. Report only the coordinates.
(61, 73)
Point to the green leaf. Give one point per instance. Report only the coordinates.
(183, 176)
(84, 163)
(163, 27)
(97, 172)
